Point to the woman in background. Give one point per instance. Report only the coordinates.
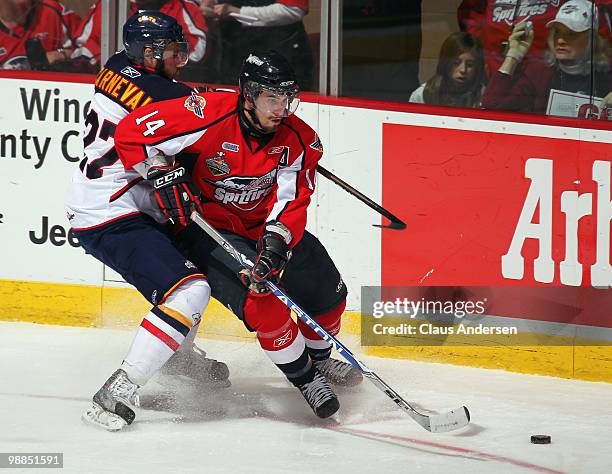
(577, 62)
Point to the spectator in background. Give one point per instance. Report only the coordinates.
(36, 34)
(211, 64)
(87, 36)
(460, 78)
(264, 25)
(185, 12)
(570, 65)
(492, 21)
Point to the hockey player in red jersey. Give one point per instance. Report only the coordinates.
(118, 213)
(255, 163)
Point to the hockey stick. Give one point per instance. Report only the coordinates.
(440, 423)
(396, 222)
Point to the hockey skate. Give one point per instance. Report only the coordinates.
(111, 404)
(191, 362)
(320, 396)
(339, 373)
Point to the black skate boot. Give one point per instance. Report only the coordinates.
(192, 362)
(339, 373)
(320, 396)
(111, 404)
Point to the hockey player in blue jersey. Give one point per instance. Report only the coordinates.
(120, 217)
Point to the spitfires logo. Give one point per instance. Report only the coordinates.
(244, 192)
(196, 104)
(217, 164)
(511, 11)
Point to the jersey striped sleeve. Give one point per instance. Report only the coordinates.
(295, 185)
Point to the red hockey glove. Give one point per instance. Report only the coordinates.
(175, 193)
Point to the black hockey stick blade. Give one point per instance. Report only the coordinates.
(395, 225)
(396, 222)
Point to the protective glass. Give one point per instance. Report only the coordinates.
(270, 101)
(178, 52)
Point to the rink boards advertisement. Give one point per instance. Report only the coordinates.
(502, 211)
(504, 205)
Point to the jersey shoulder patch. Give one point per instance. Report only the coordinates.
(317, 145)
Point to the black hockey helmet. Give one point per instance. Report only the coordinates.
(151, 29)
(270, 71)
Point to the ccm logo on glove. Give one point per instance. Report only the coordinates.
(168, 178)
(176, 195)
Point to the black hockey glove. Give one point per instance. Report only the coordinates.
(258, 288)
(175, 193)
(274, 252)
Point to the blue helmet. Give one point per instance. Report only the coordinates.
(150, 29)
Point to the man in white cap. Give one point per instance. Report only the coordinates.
(575, 62)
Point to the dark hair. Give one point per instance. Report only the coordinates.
(440, 90)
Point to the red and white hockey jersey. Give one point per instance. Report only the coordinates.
(492, 21)
(245, 183)
(185, 12)
(48, 21)
(101, 189)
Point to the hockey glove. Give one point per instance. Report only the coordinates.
(257, 288)
(274, 252)
(175, 193)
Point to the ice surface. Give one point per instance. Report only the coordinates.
(262, 425)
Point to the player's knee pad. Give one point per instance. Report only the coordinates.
(188, 300)
(265, 313)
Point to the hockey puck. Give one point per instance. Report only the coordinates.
(540, 439)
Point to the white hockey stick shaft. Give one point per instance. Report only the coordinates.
(449, 421)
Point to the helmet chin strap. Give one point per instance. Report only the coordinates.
(252, 123)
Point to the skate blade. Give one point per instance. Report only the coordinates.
(100, 418)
